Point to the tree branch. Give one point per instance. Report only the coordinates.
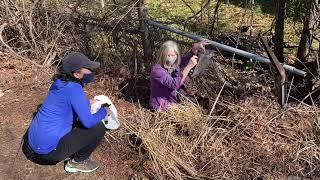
(11, 50)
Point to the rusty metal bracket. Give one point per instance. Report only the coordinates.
(281, 77)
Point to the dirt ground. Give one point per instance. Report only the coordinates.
(22, 89)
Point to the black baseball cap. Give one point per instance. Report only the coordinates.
(75, 61)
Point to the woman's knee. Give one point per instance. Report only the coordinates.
(100, 130)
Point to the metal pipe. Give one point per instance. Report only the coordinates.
(240, 52)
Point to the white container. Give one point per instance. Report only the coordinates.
(110, 121)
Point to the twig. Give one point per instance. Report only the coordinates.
(283, 135)
(188, 6)
(124, 87)
(134, 4)
(285, 105)
(51, 55)
(197, 13)
(102, 3)
(112, 137)
(315, 90)
(19, 72)
(217, 98)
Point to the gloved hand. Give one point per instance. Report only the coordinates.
(105, 105)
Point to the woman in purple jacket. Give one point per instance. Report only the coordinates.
(170, 73)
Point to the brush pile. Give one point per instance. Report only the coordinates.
(254, 139)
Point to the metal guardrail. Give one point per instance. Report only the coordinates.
(240, 52)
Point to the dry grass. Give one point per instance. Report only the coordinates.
(256, 139)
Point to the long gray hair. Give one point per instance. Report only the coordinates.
(163, 53)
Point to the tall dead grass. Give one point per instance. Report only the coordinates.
(255, 139)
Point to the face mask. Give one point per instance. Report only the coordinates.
(171, 60)
(88, 78)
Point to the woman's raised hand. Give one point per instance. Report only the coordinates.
(199, 47)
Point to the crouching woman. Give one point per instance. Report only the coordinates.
(64, 127)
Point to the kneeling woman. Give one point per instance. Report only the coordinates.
(170, 73)
(51, 136)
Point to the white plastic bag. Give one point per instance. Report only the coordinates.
(111, 121)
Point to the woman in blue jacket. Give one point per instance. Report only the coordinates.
(51, 136)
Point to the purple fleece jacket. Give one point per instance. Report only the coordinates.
(164, 85)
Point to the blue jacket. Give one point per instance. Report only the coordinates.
(65, 101)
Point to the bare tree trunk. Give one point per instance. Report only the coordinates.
(201, 15)
(147, 50)
(309, 25)
(252, 4)
(215, 17)
(279, 30)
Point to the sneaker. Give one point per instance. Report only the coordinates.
(84, 166)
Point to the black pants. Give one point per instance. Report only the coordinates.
(77, 144)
